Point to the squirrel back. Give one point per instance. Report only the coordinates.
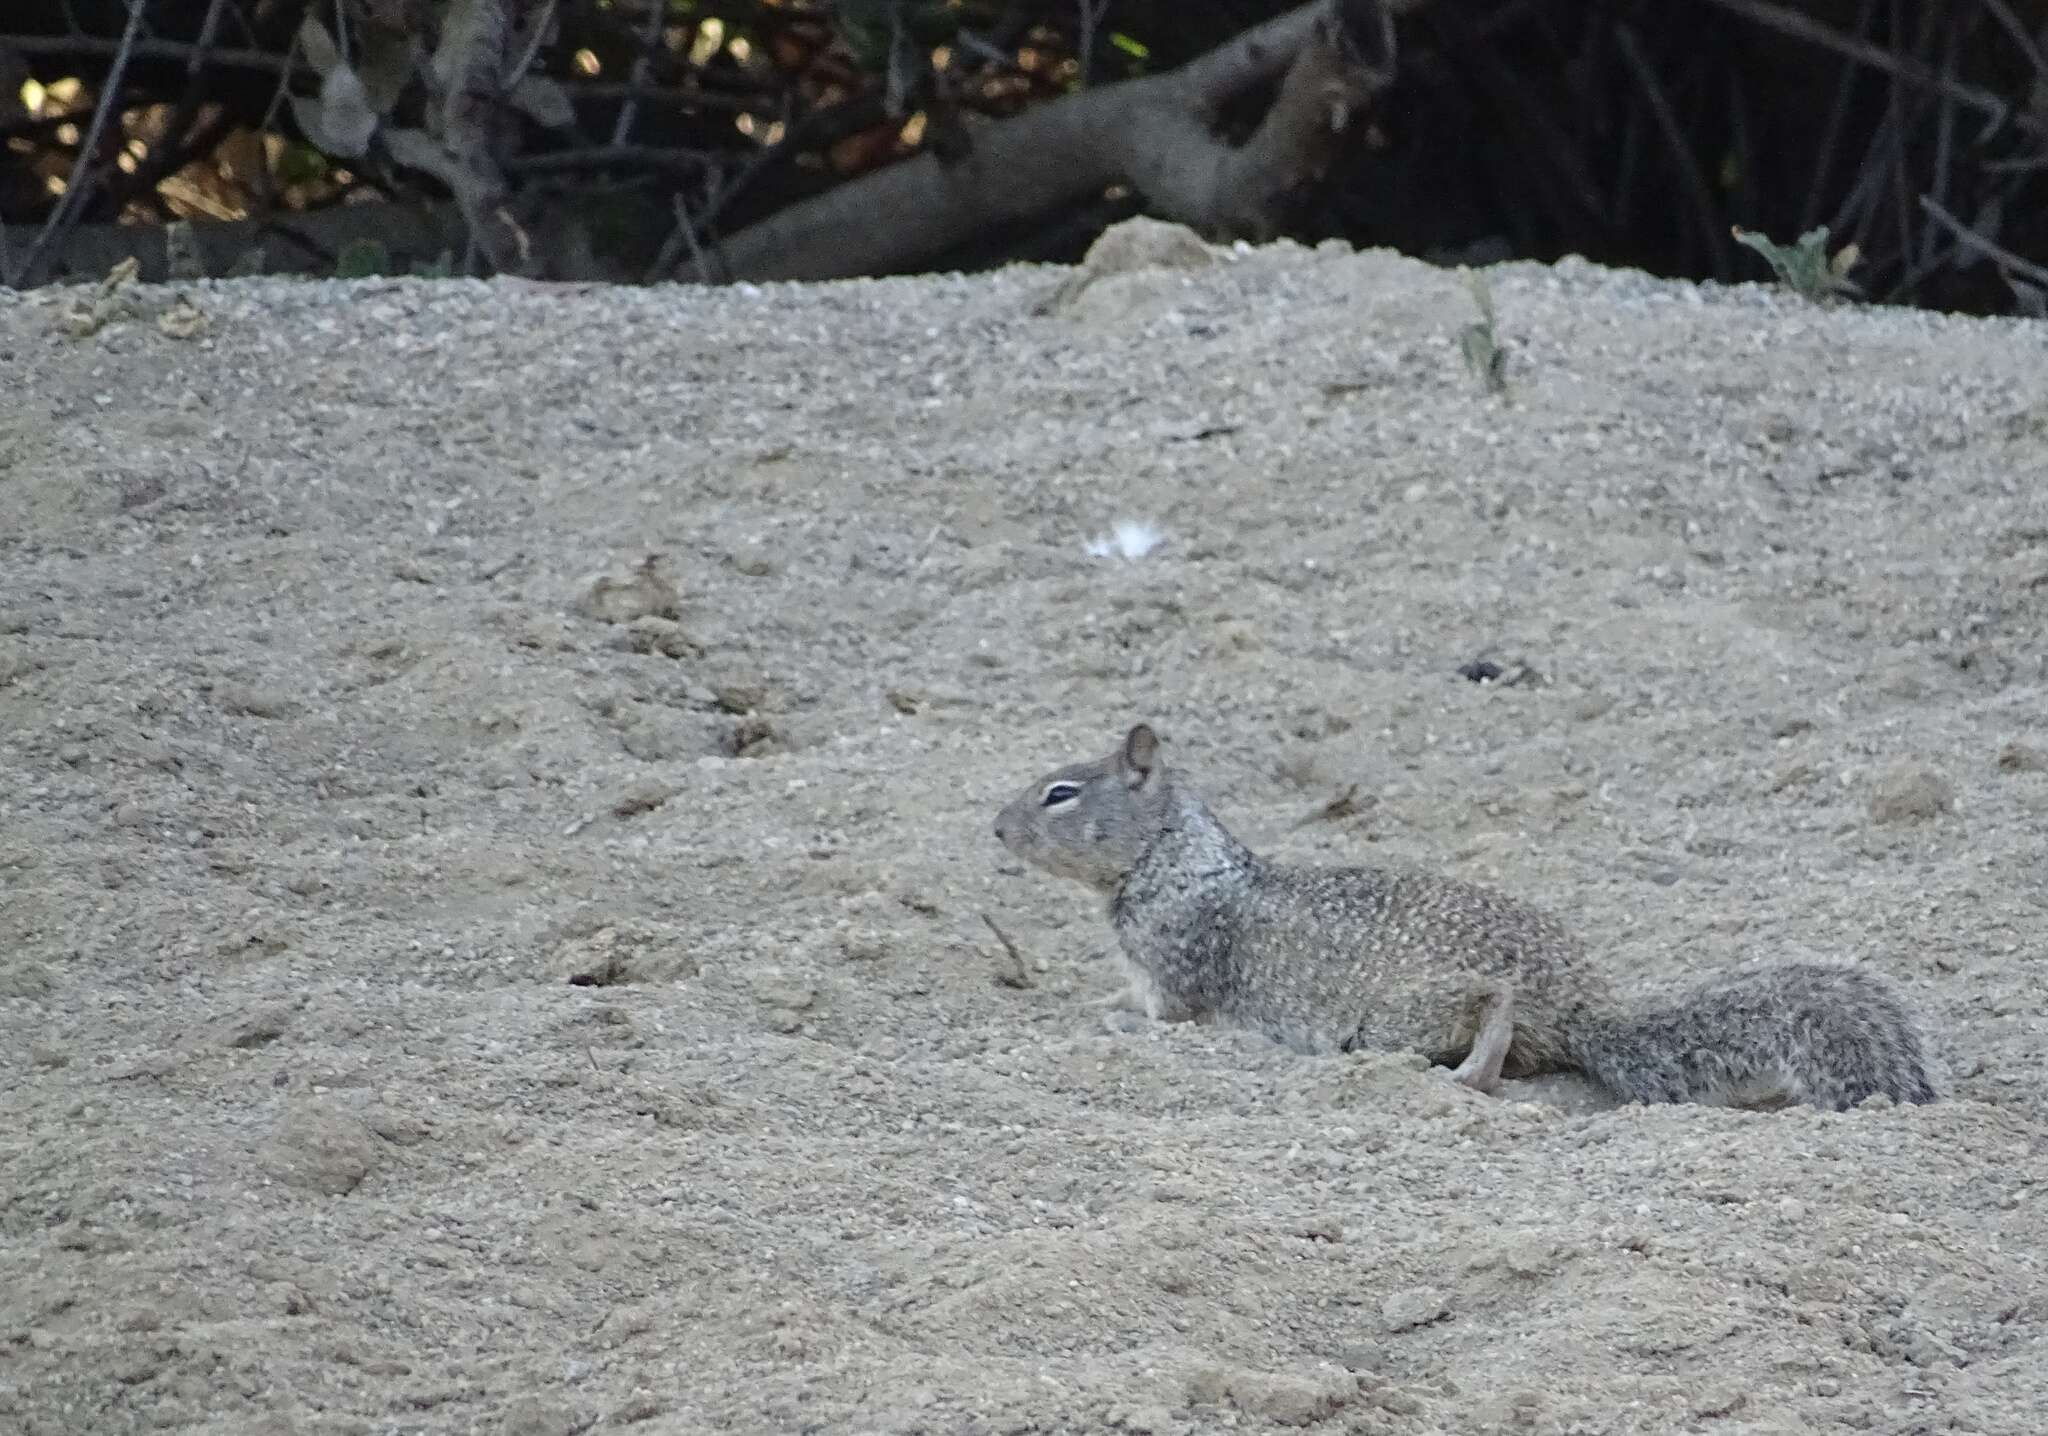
(1329, 959)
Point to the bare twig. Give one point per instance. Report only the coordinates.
(1831, 132)
(686, 229)
(1087, 20)
(653, 158)
(684, 96)
(1741, 145)
(1002, 62)
(1910, 71)
(67, 209)
(1344, 805)
(672, 247)
(144, 48)
(533, 43)
(1530, 125)
(181, 143)
(1861, 202)
(1712, 230)
(812, 131)
(1895, 106)
(1016, 975)
(1970, 239)
(650, 35)
(1944, 144)
(1153, 133)
(2002, 13)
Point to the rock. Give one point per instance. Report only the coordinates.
(323, 1149)
(396, 1123)
(249, 700)
(659, 737)
(784, 1001)
(27, 980)
(651, 633)
(1142, 243)
(754, 738)
(595, 959)
(1133, 245)
(863, 944)
(1793, 775)
(531, 1416)
(1281, 1399)
(254, 1029)
(622, 600)
(1718, 1399)
(1528, 1255)
(547, 635)
(755, 562)
(643, 797)
(2022, 758)
(1909, 794)
(1416, 1306)
(739, 699)
(640, 1406)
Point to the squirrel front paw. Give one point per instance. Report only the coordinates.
(1479, 1081)
(1124, 999)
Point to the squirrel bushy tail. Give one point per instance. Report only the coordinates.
(1806, 1032)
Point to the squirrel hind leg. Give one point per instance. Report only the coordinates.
(1481, 1068)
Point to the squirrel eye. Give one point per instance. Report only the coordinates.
(1059, 793)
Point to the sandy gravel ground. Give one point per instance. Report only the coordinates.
(437, 995)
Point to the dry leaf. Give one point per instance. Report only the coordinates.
(183, 320)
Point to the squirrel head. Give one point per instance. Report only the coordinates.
(1092, 821)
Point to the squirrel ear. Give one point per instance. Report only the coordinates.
(1140, 754)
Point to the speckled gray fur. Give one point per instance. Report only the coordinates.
(1329, 959)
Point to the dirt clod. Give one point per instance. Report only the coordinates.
(323, 1148)
(646, 592)
(1910, 794)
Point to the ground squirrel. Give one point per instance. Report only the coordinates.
(1332, 959)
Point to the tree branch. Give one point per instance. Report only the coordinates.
(1899, 67)
(481, 66)
(1970, 239)
(81, 182)
(1153, 133)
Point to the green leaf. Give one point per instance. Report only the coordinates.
(300, 164)
(362, 259)
(1478, 342)
(1804, 266)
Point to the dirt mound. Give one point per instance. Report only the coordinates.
(445, 992)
